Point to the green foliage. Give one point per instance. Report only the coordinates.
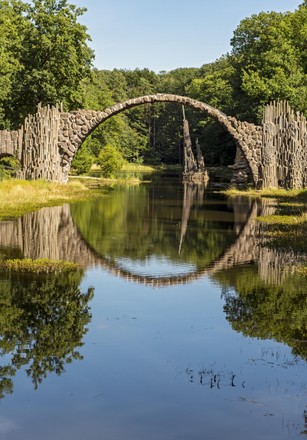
(213, 85)
(269, 61)
(18, 197)
(9, 166)
(12, 27)
(259, 309)
(126, 131)
(42, 324)
(133, 215)
(41, 265)
(46, 56)
(110, 161)
(4, 173)
(82, 161)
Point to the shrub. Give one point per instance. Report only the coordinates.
(82, 162)
(9, 166)
(110, 161)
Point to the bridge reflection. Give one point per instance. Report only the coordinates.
(46, 318)
(53, 233)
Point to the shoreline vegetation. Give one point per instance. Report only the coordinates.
(18, 197)
(38, 266)
(287, 228)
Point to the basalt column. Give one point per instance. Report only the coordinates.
(284, 147)
(40, 153)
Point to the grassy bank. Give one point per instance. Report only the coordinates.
(97, 182)
(278, 194)
(18, 197)
(41, 265)
(287, 227)
(139, 168)
(142, 168)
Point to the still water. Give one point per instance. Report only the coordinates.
(181, 325)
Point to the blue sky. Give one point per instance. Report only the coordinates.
(166, 34)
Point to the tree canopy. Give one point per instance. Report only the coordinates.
(45, 57)
(266, 310)
(42, 324)
(267, 62)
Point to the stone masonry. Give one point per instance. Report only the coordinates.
(77, 125)
(48, 141)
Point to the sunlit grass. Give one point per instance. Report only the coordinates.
(277, 193)
(287, 227)
(131, 167)
(287, 231)
(18, 197)
(41, 265)
(284, 219)
(302, 270)
(138, 167)
(102, 182)
(142, 168)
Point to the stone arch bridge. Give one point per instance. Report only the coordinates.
(273, 152)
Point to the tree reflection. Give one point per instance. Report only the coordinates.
(305, 417)
(150, 220)
(266, 311)
(42, 323)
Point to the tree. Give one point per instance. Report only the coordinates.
(52, 56)
(12, 25)
(82, 161)
(110, 161)
(213, 86)
(42, 324)
(265, 310)
(299, 32)
(126, 131)
(268, 62)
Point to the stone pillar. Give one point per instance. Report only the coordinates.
(40, 153)
(240, 169)
(284, 147)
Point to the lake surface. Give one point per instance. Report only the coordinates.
(182, 325)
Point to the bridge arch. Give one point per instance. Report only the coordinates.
(76, 126)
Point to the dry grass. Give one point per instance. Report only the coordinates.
(277, 193)
(284, 219)
(41, 265)
(20, 196)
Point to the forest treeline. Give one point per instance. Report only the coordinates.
(45, 57)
